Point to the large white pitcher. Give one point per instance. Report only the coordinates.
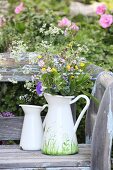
(59, 129)
(32, 131)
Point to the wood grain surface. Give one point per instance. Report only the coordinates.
(12, 157)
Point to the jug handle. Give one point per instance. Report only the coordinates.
(83, 111)
(43, 107)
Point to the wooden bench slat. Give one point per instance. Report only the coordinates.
(13, 70)
(10, 128)
(59, 168)
(12, 157)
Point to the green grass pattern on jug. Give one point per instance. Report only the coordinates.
(68, 147)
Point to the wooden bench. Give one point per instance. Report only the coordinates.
(94, 155)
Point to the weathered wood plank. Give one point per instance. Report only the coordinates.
(11, 158)
(59, 168)
(10, 128)
(10, 69)
(84, 149)
(103, 133)
(94, 70)
(106, 79)
(103, 81)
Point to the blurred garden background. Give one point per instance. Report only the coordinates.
(26, 21)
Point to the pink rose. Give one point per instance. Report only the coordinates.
(106, 20)
(19, 8)
(74, 27)
(101, 9)
(64, 22)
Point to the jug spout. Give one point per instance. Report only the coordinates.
(33, 107)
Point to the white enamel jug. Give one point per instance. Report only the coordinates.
(59, 129)
(32, 131)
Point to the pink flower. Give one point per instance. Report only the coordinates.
(2, 21)
(74, 27)
(62, 60)
(101, 9)
(49, 69)
(106, 20)
(19, 8)
(41, 63)
(64, 22)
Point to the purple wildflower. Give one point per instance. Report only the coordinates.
(39, 89)
(6, 114)
(56, 59)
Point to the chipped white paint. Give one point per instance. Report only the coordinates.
(1, 77)
(101, 76)
(88, 139)
(110, 126)
(96, 83)
(110, 116)
(12, 80)
(94, 89)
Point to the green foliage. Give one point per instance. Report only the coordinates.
(10, 98)
(25, 27)
(42, 5)
(98, 41)
(109, 3)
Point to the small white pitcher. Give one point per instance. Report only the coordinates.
(32, 131)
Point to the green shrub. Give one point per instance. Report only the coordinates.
(10, 98)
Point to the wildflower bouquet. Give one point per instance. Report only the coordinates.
(62, 74)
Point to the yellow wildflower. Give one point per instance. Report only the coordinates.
(68, 67)
(39, 56)
(43, 69)
(53, 70)
(70, 45)
(72, 77)
(76, 67)
(82, 64)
